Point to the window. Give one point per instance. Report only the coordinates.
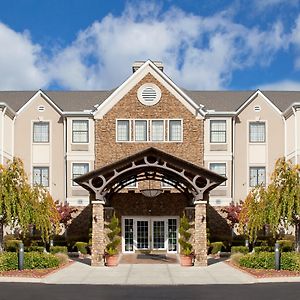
(140, 130)
(41, 132)
(218, 131)
(41, 176)
(80, 131)
(79, 169)
(157, 130)
(175, 130)
(257, 176)
(166, 184)
(123, 130)
(132, 185)
(219, 168)
(257, 132)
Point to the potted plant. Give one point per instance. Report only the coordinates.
(186, 248)
(111, 253)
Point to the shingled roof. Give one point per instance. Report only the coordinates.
(77, 101)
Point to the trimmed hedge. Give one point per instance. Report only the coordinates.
(216, 247)
(259, 249)
(58, 249)
(81, 247)
(35, 249)
(286, 245)
(12, 245)
(239, 249)
(266, 260)
(32, 260)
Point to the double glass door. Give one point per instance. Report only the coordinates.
(159, 233)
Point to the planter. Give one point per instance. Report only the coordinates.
(111, 260)
(186, 260)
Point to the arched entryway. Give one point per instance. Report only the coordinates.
(147, 221)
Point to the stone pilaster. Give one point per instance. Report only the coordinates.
(98, 245)
(200, 234)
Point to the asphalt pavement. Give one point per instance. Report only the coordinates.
(265, 291)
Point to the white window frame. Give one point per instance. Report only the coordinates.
(164, 130)
(221, 163)
(147, 131)
(210, 130)
(74, 184)
(249, 132)
(249, 174)
(181, 132)
(129, 130)
(40, 122)
(41, 168)
(88, 131)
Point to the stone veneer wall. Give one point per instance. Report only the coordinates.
(107, 150)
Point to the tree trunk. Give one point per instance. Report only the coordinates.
(1, 237)
(297, 234)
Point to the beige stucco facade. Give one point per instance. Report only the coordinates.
(258, 154)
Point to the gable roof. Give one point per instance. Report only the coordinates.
(65, 100)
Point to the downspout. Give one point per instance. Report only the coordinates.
(13, 138)
(233, 158)
(295, 136)
(65, 159)
(285, 140)
(2, 135)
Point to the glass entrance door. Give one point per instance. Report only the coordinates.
(142, 234)
(159, 238)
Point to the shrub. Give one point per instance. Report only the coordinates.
(39, 249)
(238, 240)
(58, 249)
(239, 249)
(286, 245)
(62, 257)
(266, 260)
(216, 247)
(262, 260)
(236, 257)
(81, 247)
(184, 227)
(32, 260)
(263, 249)
(12, 245)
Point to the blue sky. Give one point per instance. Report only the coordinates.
(91, 44)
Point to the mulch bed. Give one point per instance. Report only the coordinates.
(261, 273)
(37, 273)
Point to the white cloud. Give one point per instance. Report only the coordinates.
(20, 65)
(284, 85)
(198, 52)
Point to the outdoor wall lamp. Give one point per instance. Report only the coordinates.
(95, 218)
(202, 219)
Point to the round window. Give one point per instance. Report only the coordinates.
(149, 94)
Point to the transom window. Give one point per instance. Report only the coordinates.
(149, 130)
(219, 168)
(218, 131)
(41, 132)
(80, 131)
(257, 132)
(79, 169)
(257, 176)
(41, 176)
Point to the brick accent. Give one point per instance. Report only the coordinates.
(107, 150)
(200, 244)
(98, 245)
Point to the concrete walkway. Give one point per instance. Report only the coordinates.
(145, 274)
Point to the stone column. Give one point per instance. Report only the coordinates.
(98, 245)
(200, 234)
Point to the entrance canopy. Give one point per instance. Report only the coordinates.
(150, 164)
